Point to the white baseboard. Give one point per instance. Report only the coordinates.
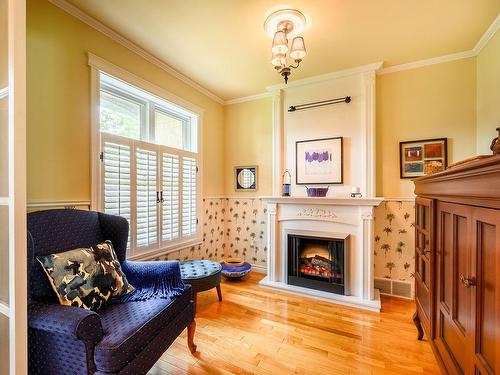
(259, 268)
(352, 301)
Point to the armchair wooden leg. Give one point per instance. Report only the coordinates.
(190, 337)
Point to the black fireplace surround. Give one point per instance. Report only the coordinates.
(319, 263)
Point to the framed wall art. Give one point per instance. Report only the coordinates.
(423, 157)
(319, 161)
(245, 178)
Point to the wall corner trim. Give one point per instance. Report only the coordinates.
(494, 27)
(249, 98)
(427, 62)
(104, 65)
(328, 76)
(110, 33)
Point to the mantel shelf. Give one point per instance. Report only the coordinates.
(325, 201)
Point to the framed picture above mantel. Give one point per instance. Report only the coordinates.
(319, 161)
(422, 157)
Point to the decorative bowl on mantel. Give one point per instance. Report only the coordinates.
(317, 192)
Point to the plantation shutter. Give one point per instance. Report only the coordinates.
(189, 219)
(170, 203)
(116, 175)
(146, 197)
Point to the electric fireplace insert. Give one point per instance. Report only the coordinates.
(319, 263)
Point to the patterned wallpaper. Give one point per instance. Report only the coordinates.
(245, 231)
(394, 242)
(234, 227)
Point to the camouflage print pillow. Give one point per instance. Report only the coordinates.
(86, 277)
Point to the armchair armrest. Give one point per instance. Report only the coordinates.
(82, 324)
(153, 279)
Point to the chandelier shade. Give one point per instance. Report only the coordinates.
(280, 43)
(278, 59)
(298, 50)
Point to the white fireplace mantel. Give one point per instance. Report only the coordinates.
(373, 202)
(350, 216)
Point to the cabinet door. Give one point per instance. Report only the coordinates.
(453, 308)
(424, 259)
(485, 288)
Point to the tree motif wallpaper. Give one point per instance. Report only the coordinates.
(245, 232)
(234, 227)
(394, 242)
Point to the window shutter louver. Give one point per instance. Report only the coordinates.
(116, 161)
(188, 196)
(146, 187)
(170, 182)
(148, 168)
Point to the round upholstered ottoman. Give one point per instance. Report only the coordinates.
(236, 272)
(201, 275)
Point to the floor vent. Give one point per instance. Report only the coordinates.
(394, 287)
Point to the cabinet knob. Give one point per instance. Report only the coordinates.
(467, 281)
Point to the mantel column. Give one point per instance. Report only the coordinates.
(367, 238)
(368, 96)
(278, 140)
(273, 238)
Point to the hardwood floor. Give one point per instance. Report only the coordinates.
(257, 330)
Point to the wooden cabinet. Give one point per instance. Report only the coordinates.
(457, 266)
(424, 259)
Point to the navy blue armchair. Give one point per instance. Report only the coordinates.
(121, 338)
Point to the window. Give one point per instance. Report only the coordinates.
(149, 166)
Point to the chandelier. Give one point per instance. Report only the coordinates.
(282, 25)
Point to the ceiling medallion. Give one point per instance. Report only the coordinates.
(282, 25)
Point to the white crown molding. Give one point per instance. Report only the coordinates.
(426, 62)
(4, 92)
(377, 67)
(99, 26)
(490, 32)
(494, 27)
(326, 77)
(105, 66)
(248, 98)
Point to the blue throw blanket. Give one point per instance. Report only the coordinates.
(152, 279)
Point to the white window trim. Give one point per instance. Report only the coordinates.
(97, 65)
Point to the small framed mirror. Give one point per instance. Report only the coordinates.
(245, 178)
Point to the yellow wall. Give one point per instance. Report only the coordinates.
(436, 101)
(58, 102)
(488, 94)
(248, 134)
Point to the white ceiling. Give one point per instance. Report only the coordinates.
(222, 45)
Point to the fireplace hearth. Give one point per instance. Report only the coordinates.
(319, 263)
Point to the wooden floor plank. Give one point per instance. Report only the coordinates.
(257, 330)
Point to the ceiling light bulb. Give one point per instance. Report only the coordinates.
(280, 43)
(278, 59)
(298, 51)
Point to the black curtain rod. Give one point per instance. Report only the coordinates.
(293, 108)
